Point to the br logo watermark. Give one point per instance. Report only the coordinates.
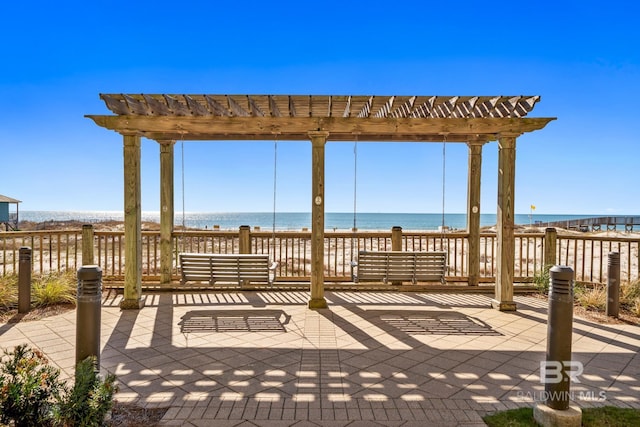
(555, 372)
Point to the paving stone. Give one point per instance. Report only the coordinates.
(336, 366)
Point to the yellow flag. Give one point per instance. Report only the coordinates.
(533, 207)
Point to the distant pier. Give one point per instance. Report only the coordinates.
(609, 223)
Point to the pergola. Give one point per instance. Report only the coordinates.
(473, 120)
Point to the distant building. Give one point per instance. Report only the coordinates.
(8, 215)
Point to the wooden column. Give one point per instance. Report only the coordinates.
(473, 209)
(505, 224)
(166, 210)
(132, 225)
(318, 141)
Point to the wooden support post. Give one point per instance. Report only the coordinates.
(318, 141)
(550, 240)
(505, 224)
(244, 239)
(166, 210)
(132, 225)
(87, 245)
(473, 209)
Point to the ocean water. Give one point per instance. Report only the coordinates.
(296, 220)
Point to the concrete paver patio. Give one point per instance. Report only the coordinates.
(262, 358)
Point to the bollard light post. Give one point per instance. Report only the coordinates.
(613, 285)
(88, 313)
(558, 370)
(559, 332)
(24, 280)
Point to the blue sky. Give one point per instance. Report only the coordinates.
(582, 57)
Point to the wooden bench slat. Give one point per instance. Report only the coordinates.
(235, 268)
(395, 266)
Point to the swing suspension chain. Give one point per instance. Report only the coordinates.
(355, 193)
(355, 182)
(182, 173)
(444, 165)
(275, 181)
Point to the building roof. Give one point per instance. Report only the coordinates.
(5, 199)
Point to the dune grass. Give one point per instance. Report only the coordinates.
(594, 297)
(54, 288)
(8, 291)
(46, 290)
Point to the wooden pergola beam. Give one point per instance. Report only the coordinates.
(215, 128)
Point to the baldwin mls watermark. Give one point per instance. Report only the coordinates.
(556, 372)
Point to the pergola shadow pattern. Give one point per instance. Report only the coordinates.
(234, 320)
(339, 365)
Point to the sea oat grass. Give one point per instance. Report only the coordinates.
(630, 293)
(54, 288)
(591, 298)
(635, 308)
(8, 291)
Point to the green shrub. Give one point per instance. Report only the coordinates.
(54, 288)
(90, 398)
(29, 388)
(541, 280)
(32, 395)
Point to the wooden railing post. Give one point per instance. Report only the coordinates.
(245, 239)
(87, 244)
(396, 238)
(550, 240)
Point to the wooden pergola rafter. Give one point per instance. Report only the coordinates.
(473, 120)
(291, 117)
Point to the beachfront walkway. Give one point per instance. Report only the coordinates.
(372, 358)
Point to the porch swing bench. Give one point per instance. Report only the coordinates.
(237, 269)
(399, 266)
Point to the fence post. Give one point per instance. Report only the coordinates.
(613, 285)
(87, 244)
(550, 240)
(558, 370)
(245, 239)
(88, 313)
(24, 280)
(396, 238)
